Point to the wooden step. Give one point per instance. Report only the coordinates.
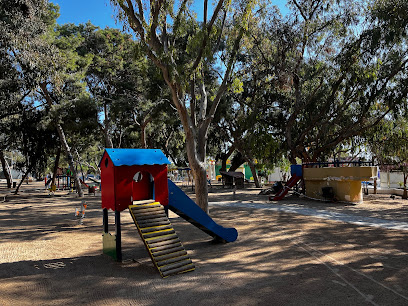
(170, 255)
(166, 249)
(173, 260)
(154, 224)
(153, 245)
(138, 202)
(182, 269)
(149, 217)
(159, 233)
(157, 228)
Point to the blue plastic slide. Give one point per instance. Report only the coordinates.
(186, 208)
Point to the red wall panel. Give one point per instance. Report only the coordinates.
(119, 188)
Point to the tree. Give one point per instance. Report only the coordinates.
(6, 169)
(140, 101)
(331, 71)
(34, 141)
(26, 49)
(109, 71)
(17, 31)
(128, 89)
(388, 142)
(63, 87)
(44, 57)
(242, 122)
(184, 67)
(245, 129)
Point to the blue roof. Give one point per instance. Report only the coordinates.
(139, 157)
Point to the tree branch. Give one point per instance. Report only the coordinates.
(224, 85)
(207, 30)
(300, 10)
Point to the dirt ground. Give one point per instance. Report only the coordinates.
(48, 258)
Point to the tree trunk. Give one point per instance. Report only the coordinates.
(143, 135)
(201, 188)
(22, 180)
(70, 160)
(196, 147)
(196, 153)
(6, 170)
(237, 161)
(108, 140)
(224, 158)
(251, 165)
(375, 185)
(224, 164)
(80, 165)
(405, 194)
(56, 164)
(64, 143)
(244, 156)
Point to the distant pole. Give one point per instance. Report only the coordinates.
(375, 185)
(105, 221)
(118, 237)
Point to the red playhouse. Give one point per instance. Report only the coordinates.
(136, 179)
(130, 175)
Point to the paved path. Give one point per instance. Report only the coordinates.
(320, 213)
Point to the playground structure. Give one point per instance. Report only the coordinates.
(67, 182)
(91, 187)
(136, 179)
(64, 182)
(333, 183)
(182, 175)
(232, 179)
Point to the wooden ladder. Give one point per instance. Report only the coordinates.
(160, 238)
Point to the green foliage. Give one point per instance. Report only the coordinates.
(33, 141)
(128, 89)
(388, 141)
(20, 29)
(307, 85)
(323, 82)
(23, 27)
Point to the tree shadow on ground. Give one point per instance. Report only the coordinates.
(278, 258)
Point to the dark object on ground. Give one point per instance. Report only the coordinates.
(266, 191)
(328, 193)
(277, 187)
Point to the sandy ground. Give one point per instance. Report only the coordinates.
(48, 258)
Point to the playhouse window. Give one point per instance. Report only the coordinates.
(138, 177)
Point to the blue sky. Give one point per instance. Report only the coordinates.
(99, 12)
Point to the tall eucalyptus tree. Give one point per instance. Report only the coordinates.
(159, 25)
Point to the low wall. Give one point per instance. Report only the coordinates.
(345, 181)
(278, 174)
(393, 191)
(391, 179)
